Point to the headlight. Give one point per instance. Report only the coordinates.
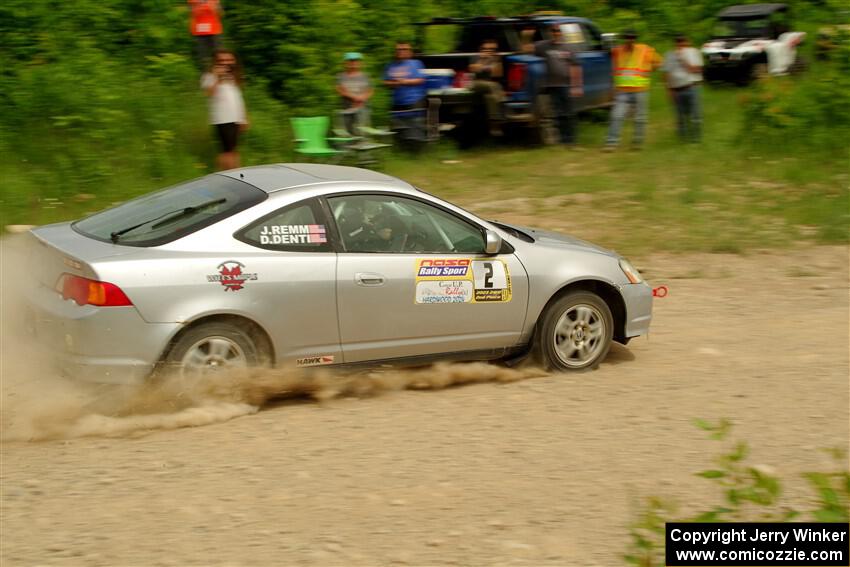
(630, 271)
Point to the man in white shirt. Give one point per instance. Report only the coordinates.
(222, 84)
(683, 73)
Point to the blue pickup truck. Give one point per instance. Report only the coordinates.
(448, 45)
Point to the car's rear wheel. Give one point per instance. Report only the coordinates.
(212, 348)
(575, 332)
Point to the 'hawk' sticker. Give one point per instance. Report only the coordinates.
(314, 360)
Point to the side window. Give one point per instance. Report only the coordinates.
(573, 35)
(386, 223)
(297, 228)
(594, 38)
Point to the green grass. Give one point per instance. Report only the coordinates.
(716, 196)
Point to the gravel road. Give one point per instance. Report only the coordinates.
(545, 470)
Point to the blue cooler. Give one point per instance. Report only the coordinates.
(437, 79)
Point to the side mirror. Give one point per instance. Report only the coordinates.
(609, 40)
(492, 243)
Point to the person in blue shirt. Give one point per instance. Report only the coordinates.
(404, 76)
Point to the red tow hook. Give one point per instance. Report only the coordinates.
(660, 291)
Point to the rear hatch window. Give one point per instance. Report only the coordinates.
(164, 216)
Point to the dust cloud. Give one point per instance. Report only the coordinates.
(50, 407)
(38, 403)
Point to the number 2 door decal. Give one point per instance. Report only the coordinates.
(488, 276)
(492, 281)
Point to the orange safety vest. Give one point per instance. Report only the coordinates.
(632, 70)
(205, 20)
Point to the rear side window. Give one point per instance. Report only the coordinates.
(165, 216)
(296, 228)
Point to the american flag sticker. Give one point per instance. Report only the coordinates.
(316, 234)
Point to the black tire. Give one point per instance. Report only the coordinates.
(758, 71)
(579, 323)
(215, 346)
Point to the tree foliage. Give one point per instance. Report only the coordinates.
(93, 88)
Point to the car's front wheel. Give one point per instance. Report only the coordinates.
(575, 332)
(758, 71)
(211, 348)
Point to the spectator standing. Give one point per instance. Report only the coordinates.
(407, 81)
(633, 64)
(223, 85)
(526, 40)
(563, 81)
(354, 87)
(683, 73)
(487, 69)
(205, 25)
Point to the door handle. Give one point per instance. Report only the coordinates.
(369, 279)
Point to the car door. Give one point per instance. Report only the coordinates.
(412, 280)
(595, 63)
(294, 293)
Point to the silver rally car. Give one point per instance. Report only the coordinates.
(311, 265)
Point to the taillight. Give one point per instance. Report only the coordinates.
(516, 77)
(91, 292)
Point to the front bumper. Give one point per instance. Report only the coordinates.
(100, 344)
(725, 66)
(638, 300)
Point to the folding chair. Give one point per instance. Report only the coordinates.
(418, 126)
(311, 138)
(364, 128)
(356, 125)
(433, 128)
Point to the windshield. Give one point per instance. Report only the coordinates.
(164, 216)
(742, 28)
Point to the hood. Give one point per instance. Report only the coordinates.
(558, 240)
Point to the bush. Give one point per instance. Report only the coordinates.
(749, 492)
(813, 110)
